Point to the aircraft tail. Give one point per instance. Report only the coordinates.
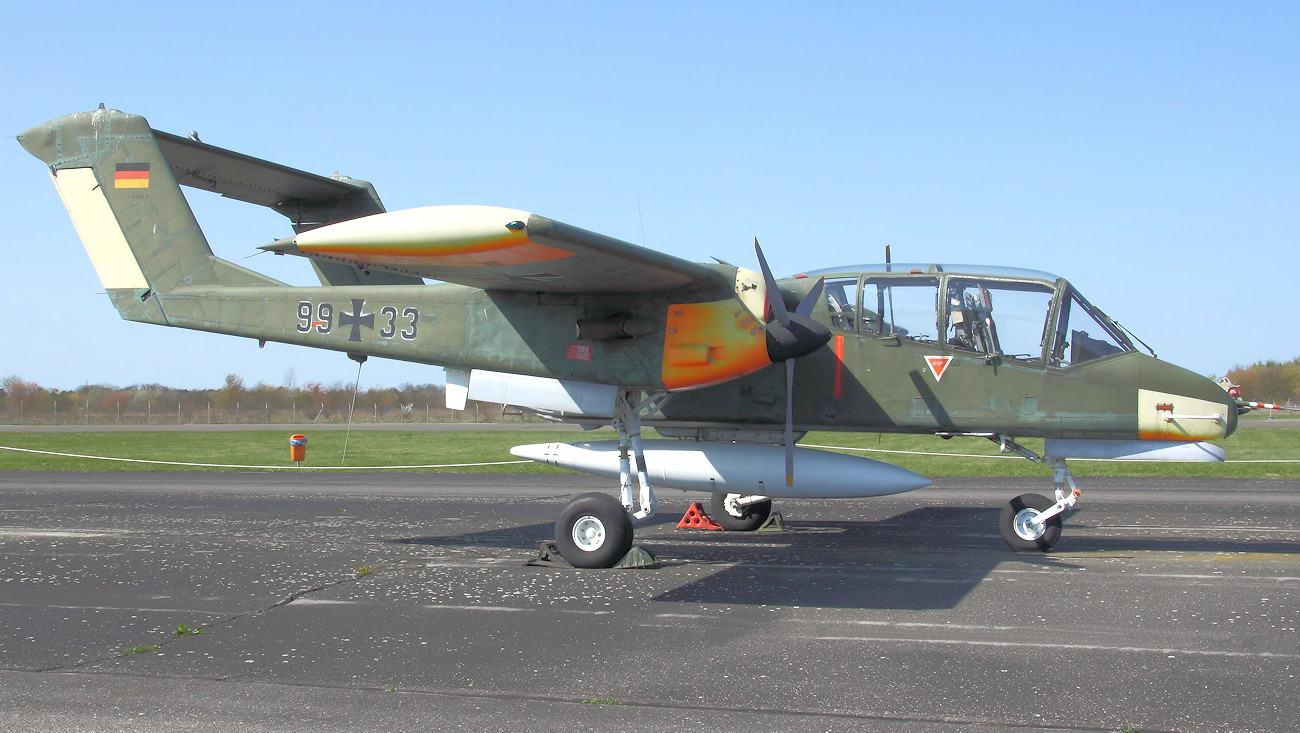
(129, 211)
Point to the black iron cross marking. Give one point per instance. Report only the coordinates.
(356, 319)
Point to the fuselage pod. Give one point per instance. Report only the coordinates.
(739, 468)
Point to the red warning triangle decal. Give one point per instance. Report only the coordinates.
(938, 365)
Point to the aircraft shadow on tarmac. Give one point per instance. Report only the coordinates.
(925, 559)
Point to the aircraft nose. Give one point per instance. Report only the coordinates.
(1177, 404)
(1230, 416)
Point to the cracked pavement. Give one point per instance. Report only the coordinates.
(1169, 605)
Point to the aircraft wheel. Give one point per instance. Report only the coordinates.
(593, 531)
(738, 519)
(1018, 527)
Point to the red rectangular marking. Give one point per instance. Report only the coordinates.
(838, 390)
(578, 352)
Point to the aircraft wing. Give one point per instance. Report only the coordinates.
(340, 221)
(495, 248)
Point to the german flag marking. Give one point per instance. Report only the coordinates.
(131, 175)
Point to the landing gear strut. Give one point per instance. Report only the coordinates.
(1033, 521)
(595, 530)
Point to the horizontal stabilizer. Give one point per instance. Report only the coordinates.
(307, 199)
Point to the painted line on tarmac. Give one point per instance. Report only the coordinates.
(494, 609)
(61, 534)
(1058, 646)
(1233, 578)
(1211, 528)
(61, 607)
(512, 609)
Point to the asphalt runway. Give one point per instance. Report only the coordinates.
(1169, 604)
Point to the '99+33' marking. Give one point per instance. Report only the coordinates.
(392, 323)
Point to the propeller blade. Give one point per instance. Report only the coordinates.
(774, 299)
(789, 338)
(810, 300)
(789, 422)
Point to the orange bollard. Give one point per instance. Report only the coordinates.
(298, 448)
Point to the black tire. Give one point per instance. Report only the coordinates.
(593, 531)
(753, 517)
(1023, 540)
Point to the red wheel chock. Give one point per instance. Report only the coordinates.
(695, 518)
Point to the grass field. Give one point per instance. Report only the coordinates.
(374, 448)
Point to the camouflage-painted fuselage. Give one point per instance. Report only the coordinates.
(653, 323)
(858, 382)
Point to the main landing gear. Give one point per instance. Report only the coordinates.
(595, 530)
(739, 512)
(1033, 521)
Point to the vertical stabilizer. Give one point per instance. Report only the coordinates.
(129, 211)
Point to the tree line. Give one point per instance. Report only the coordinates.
(1269, 381)
(24, 402)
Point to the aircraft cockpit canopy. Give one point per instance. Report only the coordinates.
(1018, 315)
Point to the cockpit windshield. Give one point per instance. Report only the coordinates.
(1026, 317)
(1083, 333)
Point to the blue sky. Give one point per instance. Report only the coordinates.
(1146, 151)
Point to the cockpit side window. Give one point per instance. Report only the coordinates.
(842, 302)
(1083, 336)
(994, 317)
(900, 306)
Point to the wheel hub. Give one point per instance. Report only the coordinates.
(1026, 524)
(588, 533)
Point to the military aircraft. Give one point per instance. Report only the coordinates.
(1243, 405)
(730, 364)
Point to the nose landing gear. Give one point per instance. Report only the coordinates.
(1032, 521)
(1023, 526)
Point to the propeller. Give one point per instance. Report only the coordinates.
(790, 336)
